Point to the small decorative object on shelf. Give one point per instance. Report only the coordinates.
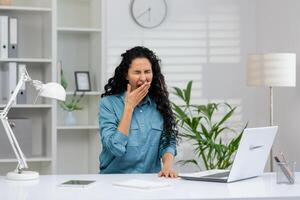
(83, 82)
(70, 119)
(72, 103)
(5, 2)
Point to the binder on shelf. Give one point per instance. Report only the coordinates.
(21, 97)
(9, 80)
(3, 36)
(13, 38)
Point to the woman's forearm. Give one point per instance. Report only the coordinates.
(125, 122)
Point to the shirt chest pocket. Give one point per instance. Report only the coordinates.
(155, 134)
(133, 139)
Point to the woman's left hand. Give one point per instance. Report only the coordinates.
(167, 172)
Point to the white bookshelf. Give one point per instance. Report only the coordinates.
(79, 49)
(35, 47)
(50, 31)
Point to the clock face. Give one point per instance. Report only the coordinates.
(149, 13)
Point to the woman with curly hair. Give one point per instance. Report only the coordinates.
(137, 125)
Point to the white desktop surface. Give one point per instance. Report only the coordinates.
(47, 188)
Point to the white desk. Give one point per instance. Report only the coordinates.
(46, 187)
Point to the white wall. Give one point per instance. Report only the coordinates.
(278, 30)
(203, 40)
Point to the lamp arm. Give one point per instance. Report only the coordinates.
(3, 117)
(15, 145)
(24, 78)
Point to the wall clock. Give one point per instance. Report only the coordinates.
(148, 13)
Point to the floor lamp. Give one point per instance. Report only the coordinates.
(271, 70)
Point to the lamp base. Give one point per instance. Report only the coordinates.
(25, 175)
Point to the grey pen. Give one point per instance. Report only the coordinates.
(284, 170)
(287, 164)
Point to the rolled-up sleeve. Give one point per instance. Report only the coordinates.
(112, 139)
(167, 145)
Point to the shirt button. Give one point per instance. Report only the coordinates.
(141, 111)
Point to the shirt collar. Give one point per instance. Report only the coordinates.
(146, 100)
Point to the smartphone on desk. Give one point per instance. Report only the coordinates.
(77, 183)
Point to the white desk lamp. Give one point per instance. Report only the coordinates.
(271, 70)
(50, 90)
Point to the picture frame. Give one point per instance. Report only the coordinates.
(82, 81)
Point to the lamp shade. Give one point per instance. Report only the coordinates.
(272, 70)
(53, 90)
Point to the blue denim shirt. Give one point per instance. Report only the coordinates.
(139, 152)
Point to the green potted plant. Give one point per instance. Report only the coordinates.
(198, 124)
(71, 104)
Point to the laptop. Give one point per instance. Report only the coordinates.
(249, 161)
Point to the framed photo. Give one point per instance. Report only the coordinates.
(82, 80)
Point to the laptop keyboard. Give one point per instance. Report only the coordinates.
(218, 175)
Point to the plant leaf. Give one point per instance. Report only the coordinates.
(227, 116)
(178, 93)
(187, 92)
(185, 162)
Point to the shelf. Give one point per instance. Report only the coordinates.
(38, 159)
(26, 60)
(25, 8)
(29, 106)
(79, 30)
(87, 127)
(91, 93)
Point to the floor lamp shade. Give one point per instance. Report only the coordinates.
(272, 70)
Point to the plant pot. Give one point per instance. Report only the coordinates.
(70, 119)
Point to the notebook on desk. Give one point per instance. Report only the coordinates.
(249, 161)
(142, 184)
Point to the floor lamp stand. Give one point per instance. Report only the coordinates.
(271, 124)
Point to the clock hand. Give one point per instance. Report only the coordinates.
(149, 14)
(144, 12)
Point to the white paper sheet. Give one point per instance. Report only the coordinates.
(142, 184)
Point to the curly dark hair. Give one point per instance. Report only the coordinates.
(157, 91)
